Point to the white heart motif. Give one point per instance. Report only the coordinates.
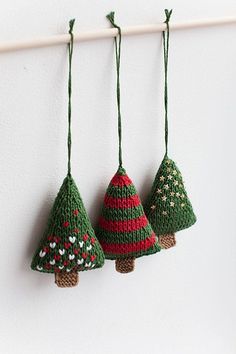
(89, 247)
(80, 261)
(71, 256)
(42, 254)
(61, 267)
(72, 239)
(81, 244)
(52, 262)
(39, 268)
(52, 244)
(61, 252)
(88, 264)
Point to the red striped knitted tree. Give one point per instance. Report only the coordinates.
(124, 231)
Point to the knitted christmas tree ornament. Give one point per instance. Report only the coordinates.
(123, 229)
(69, 244)
(168, 208)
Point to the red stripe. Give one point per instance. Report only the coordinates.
(121, 180)
(123, 225)
(116, 248)
(129, 202)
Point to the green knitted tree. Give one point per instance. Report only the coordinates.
(168, 207)
(69, 244)
(123, 230)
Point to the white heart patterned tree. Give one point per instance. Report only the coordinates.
(69, 244)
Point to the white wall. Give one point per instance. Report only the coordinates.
(180, 301)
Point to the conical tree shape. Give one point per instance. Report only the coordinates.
(69, 244)
(124, 231)
(168, 208)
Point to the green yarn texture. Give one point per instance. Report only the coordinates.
(69, 242)
(168, 207)
(123, 229)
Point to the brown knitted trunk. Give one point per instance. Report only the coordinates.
(167, 241)
(125, 265)
(66, 280)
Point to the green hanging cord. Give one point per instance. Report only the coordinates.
(110, 17)
(165, 35)
(71, 45)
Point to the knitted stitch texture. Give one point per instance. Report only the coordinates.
(69, 243)
(167, 241)
(66, 280)
(123, 228)
(168, 208)
(125, 265)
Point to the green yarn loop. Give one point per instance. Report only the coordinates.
(71, 47)
(111, 17)
(165, 35)
(69, 243)
(168, 207)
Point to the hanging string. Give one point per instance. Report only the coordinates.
(165, 35)
(71, 47)
(118, 51)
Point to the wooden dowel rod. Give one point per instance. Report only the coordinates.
(109, 33)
